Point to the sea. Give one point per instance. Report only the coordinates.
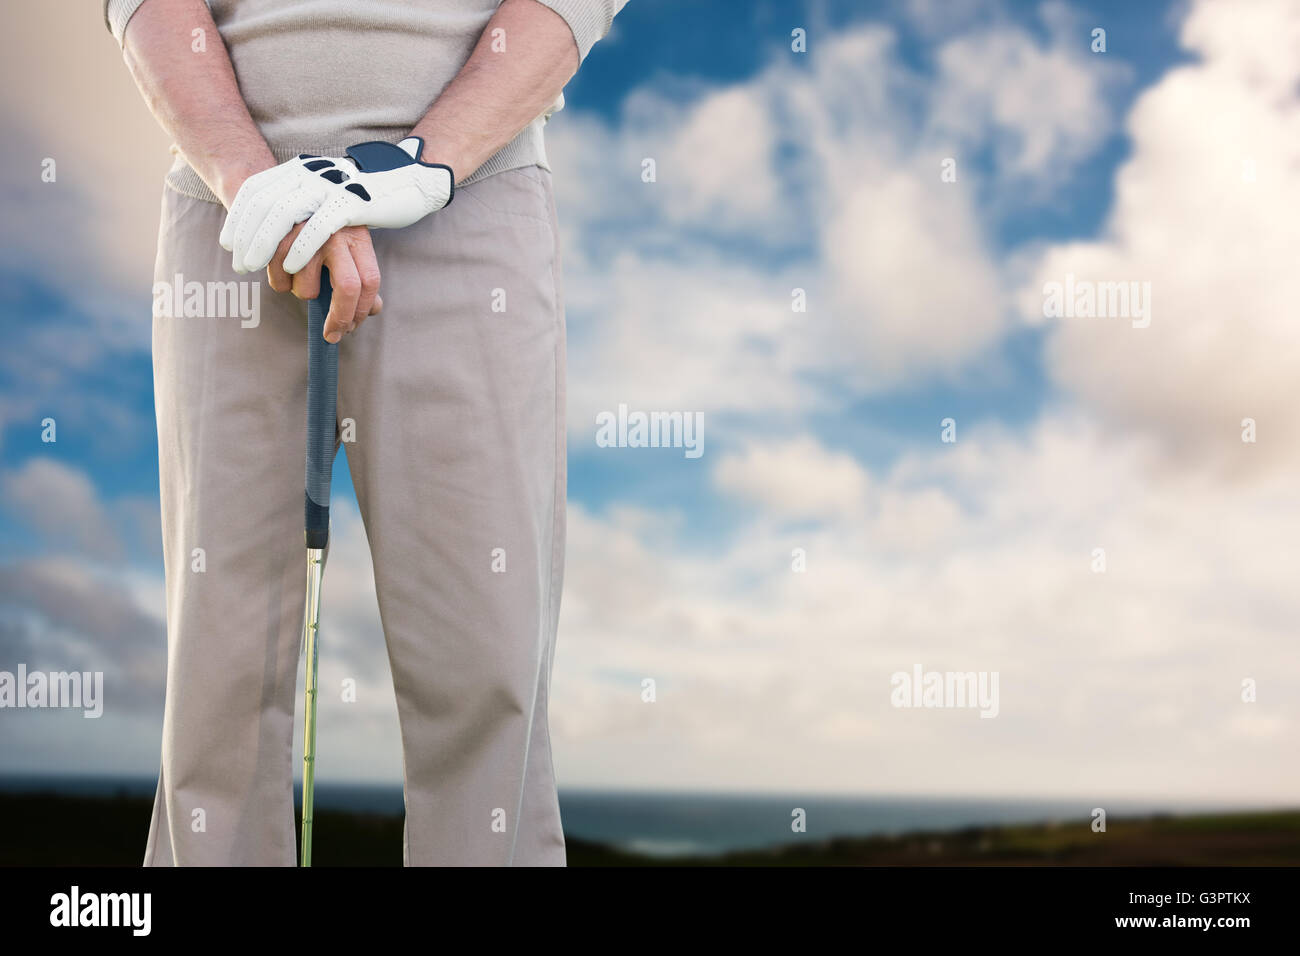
(701, 823)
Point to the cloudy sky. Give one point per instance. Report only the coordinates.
(1171, 160)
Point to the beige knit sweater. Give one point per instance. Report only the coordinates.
(321, 75)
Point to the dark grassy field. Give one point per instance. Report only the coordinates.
(45, 829)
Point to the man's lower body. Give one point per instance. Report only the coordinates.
(455, 394)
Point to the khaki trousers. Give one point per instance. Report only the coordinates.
(459, 451)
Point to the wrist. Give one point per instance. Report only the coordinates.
(229, 176)
(440, 151)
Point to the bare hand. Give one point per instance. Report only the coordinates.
(354, 275)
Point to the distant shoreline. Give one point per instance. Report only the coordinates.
(671, 825)
(111, 831)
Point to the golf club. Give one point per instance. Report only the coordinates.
(322, 395)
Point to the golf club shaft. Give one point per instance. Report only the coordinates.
(322, 396)
(311, 619)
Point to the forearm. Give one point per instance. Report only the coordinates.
(194, 95)
(497, 93)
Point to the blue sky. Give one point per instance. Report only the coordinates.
(818, 170)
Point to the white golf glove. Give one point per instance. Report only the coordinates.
(377, 184)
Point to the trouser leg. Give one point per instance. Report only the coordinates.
(230, 410)
(459, 468)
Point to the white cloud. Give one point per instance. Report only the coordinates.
(67, 96)
(722, 152)
(969, 557)
(796, 478)
(1044, 107)
(62, 503)
(1200, 212)
(819, 177)
(915, 289)
(942, 17)
(715, 337)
